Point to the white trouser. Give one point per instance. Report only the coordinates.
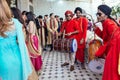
(70, 58)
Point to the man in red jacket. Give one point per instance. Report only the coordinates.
(71, 31)
(82, 23)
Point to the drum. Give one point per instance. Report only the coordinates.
(91, 36)
(93, 47)
(57, 44)
(97, 66)
(65, 45)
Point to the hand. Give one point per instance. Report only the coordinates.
(68, 34)
(53, 32)
(59, 34)
(96, 58)
(104, 56)
(94, 26)
(82, 41)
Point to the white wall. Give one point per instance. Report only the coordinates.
(46, 7)
(23, 5)
(42, 7)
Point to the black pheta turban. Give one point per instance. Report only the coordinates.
(105, 9)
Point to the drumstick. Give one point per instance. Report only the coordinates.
(68, 33)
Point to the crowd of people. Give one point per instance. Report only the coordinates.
(23, 37)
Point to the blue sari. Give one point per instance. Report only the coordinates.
(14, 60)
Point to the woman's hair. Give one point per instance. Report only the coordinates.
(24, 12)
(5, 17)
(17, 14)
(30, 17)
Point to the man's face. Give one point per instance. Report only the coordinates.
(68, 17)
(100, 16)
(78, 13)
(40, 19)
(46, 17)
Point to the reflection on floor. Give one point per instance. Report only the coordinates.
(52, 70)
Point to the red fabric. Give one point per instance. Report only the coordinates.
(69, 26)
(111, 41)
(37, 62)
(82, 23)
(69, 12)
(80, 55)
(36, 59)
(35, 45)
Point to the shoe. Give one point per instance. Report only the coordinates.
(76, 62)
(83, 66)
(44, 49)
(65, 64)
(71, 68)
(50, 50)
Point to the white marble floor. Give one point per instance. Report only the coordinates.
(52, 70)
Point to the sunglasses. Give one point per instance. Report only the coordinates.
(68, 15)
(98, 14)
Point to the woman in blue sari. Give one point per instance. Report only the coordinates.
(14, 60)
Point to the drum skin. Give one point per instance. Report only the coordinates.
(97, 66)
(93, 47)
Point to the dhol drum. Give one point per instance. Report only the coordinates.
(97, 66)
(91, 36)
(93, 47)
(65, 45)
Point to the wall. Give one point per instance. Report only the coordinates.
(23, 5)
(43, 7)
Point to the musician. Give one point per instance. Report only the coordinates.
(71, 30)
(82, 23)
(111, 41)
